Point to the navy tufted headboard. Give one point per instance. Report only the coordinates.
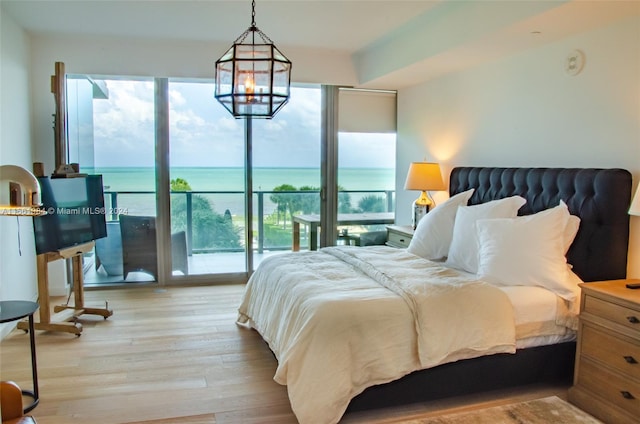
(600, 197)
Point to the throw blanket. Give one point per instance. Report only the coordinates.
(342, 319)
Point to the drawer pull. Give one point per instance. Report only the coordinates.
(401, 240)
(630, 359)
(633, 320)
(627, 395)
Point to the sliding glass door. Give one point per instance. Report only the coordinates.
(214, 195)
(366, 165)
(366, 182)
(286, 173)
(207, 183)
(111, 132)
(209, 165)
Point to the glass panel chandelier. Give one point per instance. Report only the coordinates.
(253, 79)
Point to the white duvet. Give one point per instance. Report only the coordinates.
(342, 319)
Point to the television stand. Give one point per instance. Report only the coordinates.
(66, 323)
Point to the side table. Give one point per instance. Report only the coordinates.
(13, 310)
(399, 236)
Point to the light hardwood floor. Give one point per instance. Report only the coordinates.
(177, 356)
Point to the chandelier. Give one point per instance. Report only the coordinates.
(253, 77)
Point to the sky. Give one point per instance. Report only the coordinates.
(203, 133)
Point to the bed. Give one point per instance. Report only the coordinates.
(357, 327)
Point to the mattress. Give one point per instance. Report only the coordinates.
(541, 317)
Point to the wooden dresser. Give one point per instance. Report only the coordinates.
(607, 372)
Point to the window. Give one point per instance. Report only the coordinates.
(112, 131)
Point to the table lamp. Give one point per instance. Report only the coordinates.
(19, 192)
(423, 176)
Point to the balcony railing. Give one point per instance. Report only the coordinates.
(287, 204)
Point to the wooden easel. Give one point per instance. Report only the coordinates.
(67, 323)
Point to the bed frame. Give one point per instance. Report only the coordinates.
(601, 198)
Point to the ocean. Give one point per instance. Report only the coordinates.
(131, 179)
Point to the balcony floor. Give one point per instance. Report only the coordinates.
(199, 264)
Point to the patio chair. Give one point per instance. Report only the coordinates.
(139, 246)
(371, 238)
(109, 250)
(179, 252)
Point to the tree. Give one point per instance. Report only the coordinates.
(210, 228)
(344, 201)
(372, 203)
(284, 201)
(180, 184)
(306, 200)
(309, 202)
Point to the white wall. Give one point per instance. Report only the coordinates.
(17, 252)
(524, 110)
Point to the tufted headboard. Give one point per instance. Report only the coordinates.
(600, 197)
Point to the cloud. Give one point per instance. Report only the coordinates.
(203, 133)
(124, 125)
(361, 150)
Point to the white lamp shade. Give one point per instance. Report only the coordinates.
(19, 192)
(635, 204)
(424, 176)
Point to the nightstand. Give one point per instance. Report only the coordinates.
(607, 373)
(399, 235)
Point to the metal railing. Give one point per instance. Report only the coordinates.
(265, 208)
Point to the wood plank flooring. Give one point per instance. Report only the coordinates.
(176, 356)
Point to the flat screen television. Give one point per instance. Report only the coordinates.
(75, 213)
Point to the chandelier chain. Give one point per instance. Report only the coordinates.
(253, 13)
(264, 37)
(249, 59)
(243, 36)
(253, 29)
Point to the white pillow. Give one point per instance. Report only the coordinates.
(463, 253)
(526, 251)
(432, 237)
(570, 230)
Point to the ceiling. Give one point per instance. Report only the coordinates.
(392, 43)
(330, 24)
